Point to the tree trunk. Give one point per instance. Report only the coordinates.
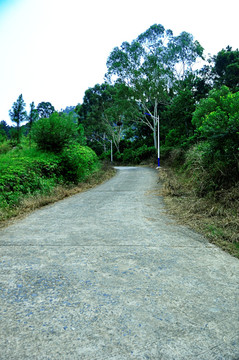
(18, 132)
(104, 143)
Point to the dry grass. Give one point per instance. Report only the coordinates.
(32, 203)
(217, 217)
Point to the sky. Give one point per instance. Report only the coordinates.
(54, 50)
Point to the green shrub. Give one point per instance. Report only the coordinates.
(26, 172)
(3, 136)
(5, 146)
(175, 138)
(55, 132)
(213, 163)
(136, 156)
(77, 162)
(217, 121)
(208, 169)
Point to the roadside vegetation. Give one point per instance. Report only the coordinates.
(201, 182)
(54, 166)
(151, 80)
(215, 216)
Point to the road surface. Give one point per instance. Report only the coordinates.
(107, 274)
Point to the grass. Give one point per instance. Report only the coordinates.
(215, 216)
(31, 203)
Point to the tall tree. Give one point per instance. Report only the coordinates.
(226, 68)
(104, 108)
(18, 114)
(185, 52)
(5, 128)
(142, 65)
(90, 114)
(148, 66)
(32, 117)
(45, 109)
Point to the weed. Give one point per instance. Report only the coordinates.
(215, 216)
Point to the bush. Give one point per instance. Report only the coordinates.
(208, 169)
(217, 122)
(213, 163)
(53, 133)
(176, 157)
(136, 156)
(5, 147)
(21, 174)
(77, 162)
(175, 138)
(30, 171)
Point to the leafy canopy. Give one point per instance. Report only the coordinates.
(226, 68)
(53, 133)
(45, 109)
(218, 114)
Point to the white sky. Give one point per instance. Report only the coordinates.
(54, 50)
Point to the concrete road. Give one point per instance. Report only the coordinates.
(106, 274)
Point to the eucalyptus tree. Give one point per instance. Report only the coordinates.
(148, 65)
(18, 114)
(185, 52)
(143, 65)
(32, 117)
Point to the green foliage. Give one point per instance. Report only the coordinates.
(218, 115)
(4, 129)
(136, 156)
(33, 115)
(217, 120)
(30, 171)
(215, 160)
(102, 107)
(185, 51)
(3, 135)
(148, 65)
(18, 114)
(211, 169)
(148, 77)
(15, 136)
(206, 168)
(77, 162)
(175, 138)
(226, 68)
(45, 109)
(5, 146)
(24, 173)
(81, 139)
(53, 133)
